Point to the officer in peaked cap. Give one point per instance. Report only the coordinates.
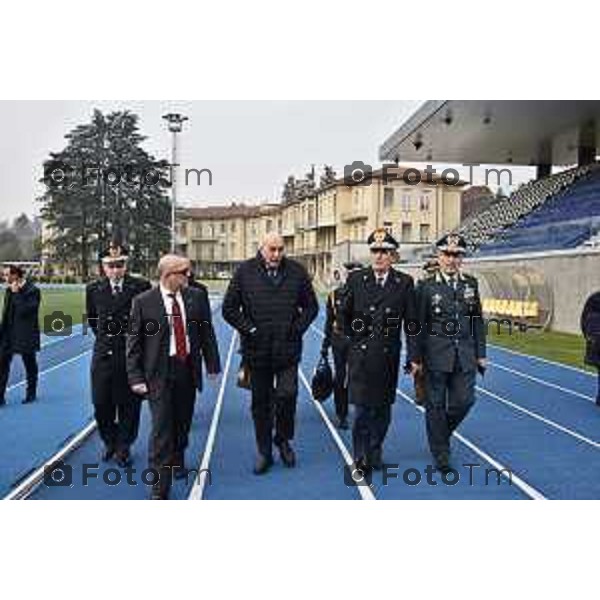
(339, 344)
(108, 303)
(450, 346)
(379, 301)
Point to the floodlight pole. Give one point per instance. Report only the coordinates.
(175, 124)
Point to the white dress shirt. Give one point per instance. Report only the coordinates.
(381, 279)
(168, 302)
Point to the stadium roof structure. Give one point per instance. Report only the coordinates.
(520, 132)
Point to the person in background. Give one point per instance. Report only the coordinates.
(20, 330)
(108, 302)
(590, 327)
(339, 343)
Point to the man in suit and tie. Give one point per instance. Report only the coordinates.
(108, 303)
(170, 334)
(271, 302)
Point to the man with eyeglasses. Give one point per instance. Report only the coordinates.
(271, 302)
(451, 345)
(108, 302)
(170, 336)
(379, 304)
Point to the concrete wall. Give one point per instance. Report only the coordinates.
(571, 276)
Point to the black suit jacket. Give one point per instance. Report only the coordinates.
(108, 314)
(148, 355)
(20, 329)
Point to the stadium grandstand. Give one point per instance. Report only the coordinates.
(536, 250)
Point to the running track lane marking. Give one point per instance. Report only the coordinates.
(26, 487)
(365, 491)
(542, 381)
(544, 360)
(199, 484)
(535, 415)
(58, 366)
(520, 483)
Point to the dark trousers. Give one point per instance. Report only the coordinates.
(449, 397)
(171, 413)
(118, 424)
(340, 380)
(116, 407)
(369, 429)
(31, 369)
(598, 392)
(274, 396)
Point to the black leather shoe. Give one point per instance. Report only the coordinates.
(123, 459)
(158, 494)
(375, 460)
(108, 454)
(263, 464)
(442, 462)
(2, 402)
(29, 399)
(180, 472)
(342, 423)
(288, 457)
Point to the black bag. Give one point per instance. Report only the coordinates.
(322, 381)
(243, 378)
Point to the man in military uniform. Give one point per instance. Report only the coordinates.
(108, 303)
(451, 345)
(379, 302)
(339, 343)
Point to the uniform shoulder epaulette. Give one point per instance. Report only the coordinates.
(92, 285)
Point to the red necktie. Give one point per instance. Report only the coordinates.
(178, 329)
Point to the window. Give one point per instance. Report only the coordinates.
(233, 227)
(269, 225)
(406, 232)
(424, 232)
(222, 227)
(424, 203)
(388, 198)
(405, 202)
(387, 225)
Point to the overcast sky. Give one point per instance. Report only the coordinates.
(250, 147)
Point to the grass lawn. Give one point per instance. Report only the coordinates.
(565, 348)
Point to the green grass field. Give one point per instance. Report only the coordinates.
(565, 348)
(561, 347)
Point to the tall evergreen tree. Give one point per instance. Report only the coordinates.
(103, 186)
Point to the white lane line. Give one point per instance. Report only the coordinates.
(200, 482)
(528, 489)
(365, 491)
(542, 381)
(26, 487)
(520, 483)
(539, 417)
(42, 373)
(544, 360)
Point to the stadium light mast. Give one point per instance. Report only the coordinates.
(175, 124)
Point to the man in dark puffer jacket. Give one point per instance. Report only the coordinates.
(271, 302)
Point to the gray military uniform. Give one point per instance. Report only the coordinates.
(451, 340)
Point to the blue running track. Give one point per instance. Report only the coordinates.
(534, 433)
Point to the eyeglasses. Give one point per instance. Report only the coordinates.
(115, 265)
(180, 272)
(452, 254)
(383, 251)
